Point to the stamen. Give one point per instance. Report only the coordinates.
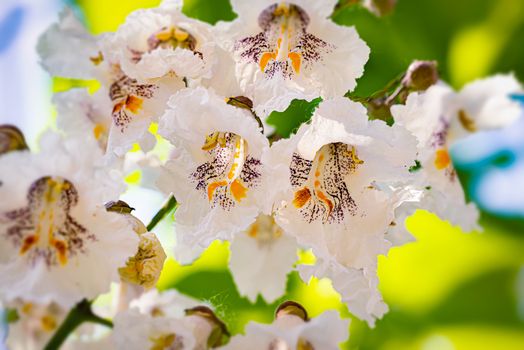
(466, 121)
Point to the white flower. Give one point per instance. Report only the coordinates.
(261, 258)
(34, 326)
(291, 331)
(155, 42)
(134, 105)
(292, 50)
(429, 117)
(165, 320)
(58, 242)
(216, 172)
(484, 104)
(327, 179)
(83, 115)
(66, 48)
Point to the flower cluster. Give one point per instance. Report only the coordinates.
(341, 185)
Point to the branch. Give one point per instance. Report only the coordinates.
(79, 314)
(168, 206)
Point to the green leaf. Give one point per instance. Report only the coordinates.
(209, 11)
(298, 112)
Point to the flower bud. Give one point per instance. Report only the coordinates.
(380, 7)
(219, 334)
(11, 139)
(421, 75)
(291, 308)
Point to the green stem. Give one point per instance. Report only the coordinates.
(168, 206)
(79, 314)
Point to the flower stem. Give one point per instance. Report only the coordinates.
(79, 314)
(168, 206)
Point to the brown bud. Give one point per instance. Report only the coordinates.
(11, 139)
(380, 7)
(291, 308)
(118, 207)
(240, 101)
(219, 335)
(421, 75)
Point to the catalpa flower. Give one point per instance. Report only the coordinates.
(326, 182)
(155, 42)
(55, 231)
(261, 258)
(429, 116)
(484, 104)
(134, 105)
(292, 329)
(34, 324)
(80, 114)
(217, 171)
(173, 325)
(292, 50)
(144, 268)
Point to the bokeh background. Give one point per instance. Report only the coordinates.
(449, 289)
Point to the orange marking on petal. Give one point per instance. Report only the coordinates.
(301, 197)
(326, 200)
(61, 250)
(264, 60)
(134, 104)
(296, 60)
(442, 159)
(212, 187)
(253, 231)
(117, 107)
(320, 157)
(238, 190)
(317, 183)
(48, 323)
(29, 242)
(98, 130)
(317, 173)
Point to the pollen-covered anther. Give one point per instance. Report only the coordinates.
(466, 121)
(166, 341)
(171, 37)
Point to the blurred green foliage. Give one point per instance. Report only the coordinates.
(448, 290)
